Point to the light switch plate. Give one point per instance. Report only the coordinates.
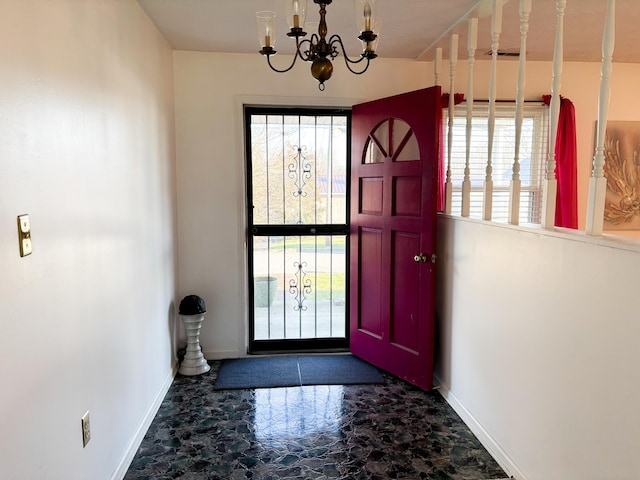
(86, 429)
(24, 235)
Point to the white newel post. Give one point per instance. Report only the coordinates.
(453, 60)
(496, 29)
(472, 43)
(515, 186)
(550, 183)
(598, 182)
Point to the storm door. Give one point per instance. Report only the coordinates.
(298, 204)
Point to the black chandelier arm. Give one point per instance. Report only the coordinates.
(335, 39)
(309, 53)
(295, 57)
(307, 56)
(347, 63)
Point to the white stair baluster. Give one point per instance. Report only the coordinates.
(496, 28)
(598, 182)
(515, 186)
(550, 183)
(453, 60)
(472, 43)
(437, 65)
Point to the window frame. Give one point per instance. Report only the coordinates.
(531, 192)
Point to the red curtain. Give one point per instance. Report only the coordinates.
(566, 165)
(442, 167)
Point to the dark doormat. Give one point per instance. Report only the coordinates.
(295, 371)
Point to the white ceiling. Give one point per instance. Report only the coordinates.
(410, 28)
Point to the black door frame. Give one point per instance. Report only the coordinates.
(337, 344)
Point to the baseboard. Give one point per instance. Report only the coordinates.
(135, 442)
(220, 354)
(479, 431)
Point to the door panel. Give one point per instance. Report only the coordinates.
(369, 262)
(394, 172)
(407, 192)
(371, 197)
(404, 318)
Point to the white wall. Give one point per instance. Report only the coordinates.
(87, 150)
(550, 383)
(545, 379)
(210, 90)
(537, 336)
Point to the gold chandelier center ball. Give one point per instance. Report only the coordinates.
(321, 69)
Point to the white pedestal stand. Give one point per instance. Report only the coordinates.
(194, 362)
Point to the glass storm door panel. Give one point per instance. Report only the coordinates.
(393, 214)
(297, 185)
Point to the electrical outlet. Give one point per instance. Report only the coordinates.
(86, 429)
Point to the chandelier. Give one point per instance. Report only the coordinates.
(317, 49)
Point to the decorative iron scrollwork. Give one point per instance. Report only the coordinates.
(299, 171)
(300, 286)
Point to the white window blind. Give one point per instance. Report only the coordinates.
(533, 156)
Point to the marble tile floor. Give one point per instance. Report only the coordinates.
(373, 432)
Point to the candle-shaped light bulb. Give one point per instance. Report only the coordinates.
(267, 36)
(296, 14)
(266, 29)
(367, 17)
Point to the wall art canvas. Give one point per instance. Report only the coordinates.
(622, 169)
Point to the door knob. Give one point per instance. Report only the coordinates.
(422, 258)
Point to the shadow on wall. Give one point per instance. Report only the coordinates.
(443, 300)
(172, 325)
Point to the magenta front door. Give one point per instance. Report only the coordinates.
(393, 212)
